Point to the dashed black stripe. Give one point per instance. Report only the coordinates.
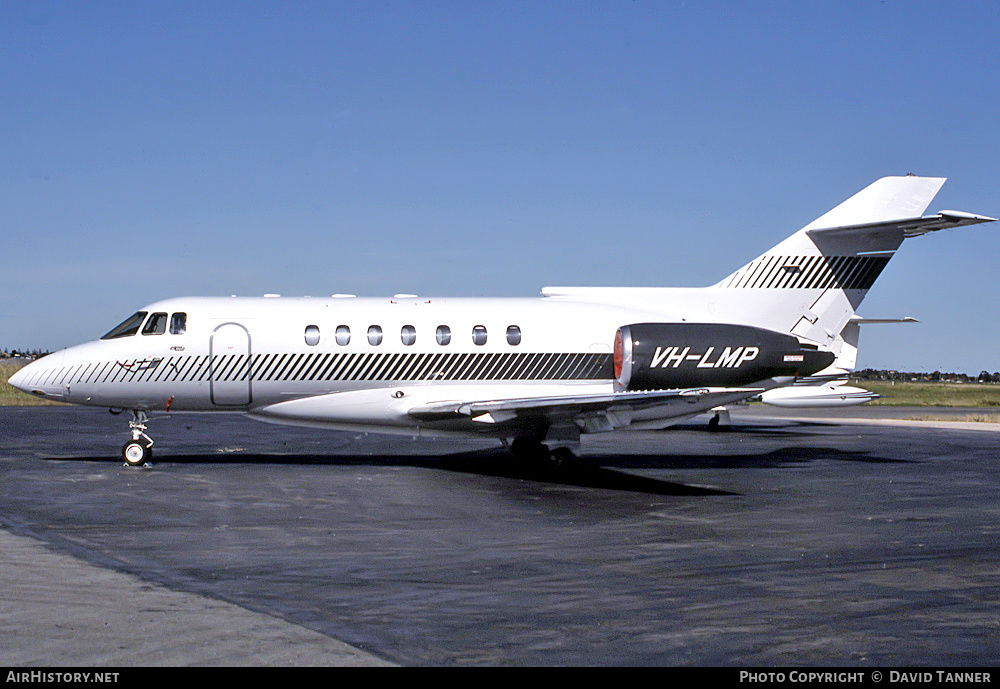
(356, 366)
(832, 269)
(335, 373)
(756, 275)
(810, 272)
(397, 367)
(204, 368)
(272, 367)
(244, 369)
(121, 370)
(810, 275)
(874, 269)
(280, 372)
(316, 366)
(164, 369)
(469, 370)
(851, 272)
(226, 369)
(451, 365)
(329, 366)
(406, 369)
(299, 365)
(82, 373)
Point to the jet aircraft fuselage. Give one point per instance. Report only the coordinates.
(367, 363)
(533, 371)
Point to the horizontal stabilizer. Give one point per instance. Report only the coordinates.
(907, 227)
(860, 320)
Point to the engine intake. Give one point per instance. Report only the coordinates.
(666, 356)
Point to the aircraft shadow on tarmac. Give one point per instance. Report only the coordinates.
(787, 429)
(606, 472)
(497, 463)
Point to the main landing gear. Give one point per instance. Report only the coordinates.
(532, 452)
(139, 450)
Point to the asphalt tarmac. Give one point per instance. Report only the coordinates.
(783, 540)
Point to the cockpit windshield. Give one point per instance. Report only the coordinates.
(128, 327)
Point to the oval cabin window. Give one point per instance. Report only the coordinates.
(513, 335)
(312, 335)
(479, 335)
(408, 334)
(343, 335)
(443, 335)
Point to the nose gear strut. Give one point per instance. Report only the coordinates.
(139, 450)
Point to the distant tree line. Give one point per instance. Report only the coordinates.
(923, 376)
(23, 353)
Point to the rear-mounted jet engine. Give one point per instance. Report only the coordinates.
(666, 356)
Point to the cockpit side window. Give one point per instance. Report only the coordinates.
(128, 327)
(156, 325)
(178, 323)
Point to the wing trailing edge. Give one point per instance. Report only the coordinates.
(590, 413)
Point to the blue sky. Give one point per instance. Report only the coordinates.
(484, 149)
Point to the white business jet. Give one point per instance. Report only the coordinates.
(535, 373)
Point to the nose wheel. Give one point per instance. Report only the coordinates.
(138, 451)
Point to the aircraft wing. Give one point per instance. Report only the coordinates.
(591, 412)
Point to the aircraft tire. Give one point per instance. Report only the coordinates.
(135, 453)
(562, 459)
(528, 451)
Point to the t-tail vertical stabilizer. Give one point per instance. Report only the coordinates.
(811, 284)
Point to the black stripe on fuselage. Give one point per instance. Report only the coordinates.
(370, 366)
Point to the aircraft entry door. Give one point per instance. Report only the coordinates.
(229, 347)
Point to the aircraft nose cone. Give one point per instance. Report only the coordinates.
(33, 378)
(20, 378)
(17, 380)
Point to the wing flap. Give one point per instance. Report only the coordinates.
(590, 412)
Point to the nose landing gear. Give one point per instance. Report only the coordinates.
(139, 450)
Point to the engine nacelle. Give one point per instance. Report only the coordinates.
(667, 356)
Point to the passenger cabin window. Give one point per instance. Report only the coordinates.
(128, 327)
(156, 325)
(374, 335)
(178, 323)
(513, 335)
(479, 335)
(408, 334)
(443, 335)
(343, 335)
(312, 335)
